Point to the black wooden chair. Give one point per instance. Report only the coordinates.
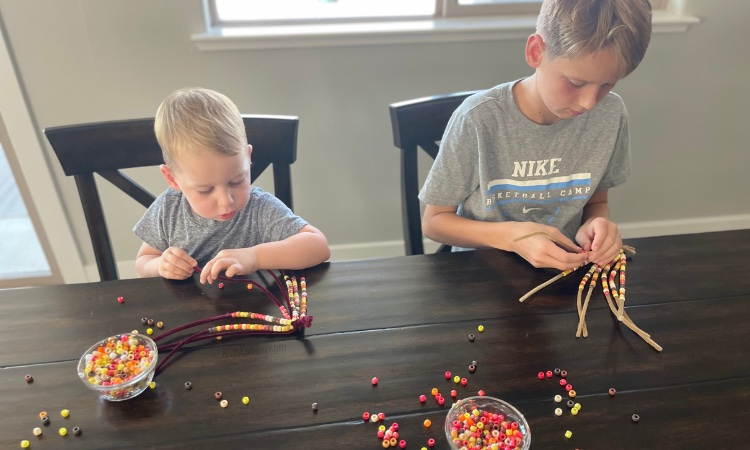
(105, 148)
(419, 123)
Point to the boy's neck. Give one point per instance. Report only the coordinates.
(528, 101)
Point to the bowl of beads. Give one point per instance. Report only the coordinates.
(119, 367)
(486, 423)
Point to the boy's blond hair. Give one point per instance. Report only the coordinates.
(573, 28)
(196, 119)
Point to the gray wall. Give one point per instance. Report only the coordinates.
(93, 60)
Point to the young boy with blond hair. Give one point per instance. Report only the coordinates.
(536, 157)
(211, 216)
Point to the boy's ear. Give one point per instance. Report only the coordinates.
(169, 176)
(250, 150)
(534, 50)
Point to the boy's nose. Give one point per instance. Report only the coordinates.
(588, 99)
(224, 197)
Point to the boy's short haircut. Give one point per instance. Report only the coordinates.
(573, 28)
(196, 119)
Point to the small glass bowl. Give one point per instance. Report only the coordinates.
(490, 405)
(119, 367)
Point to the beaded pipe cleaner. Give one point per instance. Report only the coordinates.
(609, 288)
(293, 307)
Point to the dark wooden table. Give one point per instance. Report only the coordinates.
(407, 321)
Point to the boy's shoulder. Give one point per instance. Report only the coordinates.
(488, 101)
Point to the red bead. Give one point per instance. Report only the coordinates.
(366, 416)
(563, 382)
(374, 381)
(121, 299)
(447, 375)
(431, 442)
(221, 285)
(422, 398)
(394, 426)
(481, 393)
(402, 444)
(441, 401)
(568, 387)
(454, 394)
(549, 374)
(381, 416)
(540, 375)
(464, 381)
(381, 434)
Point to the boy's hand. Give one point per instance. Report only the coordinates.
(242, 261)
(601, 238)
(175, 264)
(540, 251)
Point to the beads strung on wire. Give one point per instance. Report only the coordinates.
(610, 274)
(292, 305)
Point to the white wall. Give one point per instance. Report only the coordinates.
(93, 60)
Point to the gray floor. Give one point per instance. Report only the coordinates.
(21, 255)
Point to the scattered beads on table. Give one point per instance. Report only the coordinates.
(577, 406)
(568, 434)
(43, 415)
(472, 368)
(558, 398)
(464, 381)
(249, 286)
(246, 400)
(29, 378)
(456, 379)
(480, 328)
(570, 404)
(558, 412)
(366, 416)
(454, 393)
(63, 431)
(45, 421)
(540, 375)
(150, 322)
(563, 373)
(557, 371)
(314, 406)
(447, 375)
(120, 299)
(612, 392)
(431, 442)
(422, 398)
(221, 285)
(381, 416)
(374, 381)
(568, 387)
(149, 331)
(549, 374)
(427, 423)
(471, 338)
(25, 443)
(160, 325)
(152, 385)
(635, 418)
(217, 395)
(480, 393)
(572, 393)
(144, 320)
(434, 391)
(563, 382)
(77, 431)
(37, 431)
(65, 413)
(574, 411)
(224, 403)
(188, 385)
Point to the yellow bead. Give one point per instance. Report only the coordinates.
(574, 411)
(480, 328)
(63, 431)
(150, 331)
(456, 379)
(568, 434)
(577, 406)
(65, 413)
(25, 444)
(152, 385)
(246, 400)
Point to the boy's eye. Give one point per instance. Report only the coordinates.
(205, 191)
(574, 84)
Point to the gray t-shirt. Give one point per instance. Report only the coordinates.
(169, 222)
(496, 165)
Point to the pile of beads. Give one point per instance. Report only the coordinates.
(389, 436)
(117, 360)
(480, 429)
(292, 305)
(615, 295)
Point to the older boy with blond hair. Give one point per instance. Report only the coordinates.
(536, 157)
(211, 216)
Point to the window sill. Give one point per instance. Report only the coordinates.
(388, 33)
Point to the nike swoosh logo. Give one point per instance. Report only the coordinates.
(525, 209)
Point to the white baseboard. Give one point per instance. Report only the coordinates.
(387, 249)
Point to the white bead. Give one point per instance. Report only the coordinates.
(558, 398)
(558, 412)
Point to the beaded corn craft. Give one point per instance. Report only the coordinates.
(614, 294)
(292, 305)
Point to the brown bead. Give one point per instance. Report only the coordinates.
(612, 392)
(218, 395)
(472, 368)
(29, 378)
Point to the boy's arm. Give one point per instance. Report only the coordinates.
(307, 248)
(173, 263)
(598, 235)
(440, 223)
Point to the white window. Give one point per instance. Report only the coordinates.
(265, 12)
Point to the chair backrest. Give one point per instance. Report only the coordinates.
(106, 147)
(419, 123)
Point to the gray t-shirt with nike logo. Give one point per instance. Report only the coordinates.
(497, 165)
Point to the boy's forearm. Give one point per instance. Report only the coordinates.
(450, 229)
(296, 252)
(146, 266)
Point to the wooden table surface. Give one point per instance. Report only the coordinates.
(405, 320)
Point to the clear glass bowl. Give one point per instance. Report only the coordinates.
(119, 367)
(490, 405)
